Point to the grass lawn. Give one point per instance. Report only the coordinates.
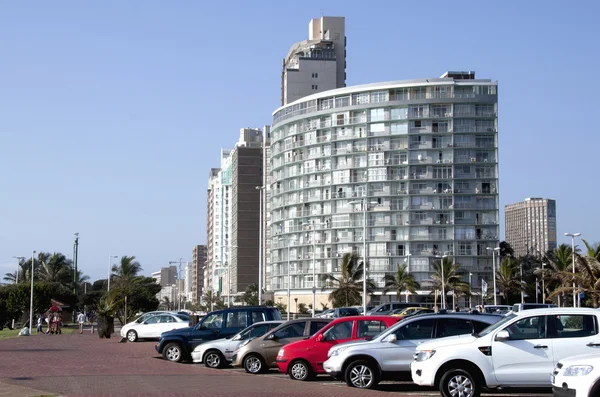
(7, 333)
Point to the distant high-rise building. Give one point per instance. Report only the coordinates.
(530, 226)
(317, 64)
(198, 264)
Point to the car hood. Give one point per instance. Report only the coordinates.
(448, 341)
(178, 331)
(582, 359)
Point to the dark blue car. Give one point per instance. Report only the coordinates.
(178, 344)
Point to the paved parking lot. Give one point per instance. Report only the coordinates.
(86, 366)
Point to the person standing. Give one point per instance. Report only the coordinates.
(39, 324)
(81, 321)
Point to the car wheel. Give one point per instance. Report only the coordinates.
(254, 364)
(362, 374)
(132, 336)
(172, 352)
(459, 383)
(300, 370)
(213, 359)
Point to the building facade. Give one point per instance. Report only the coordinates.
(317, 64)
(417, 158)
(266, 211)
(530, 226)
(199, 255)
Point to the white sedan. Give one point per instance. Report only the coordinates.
(153, 326)
(218, 353)
(577, 376)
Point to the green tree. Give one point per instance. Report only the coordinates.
(166, 303)
(211, 301)
(401, 281)
(55, 268)
(302, 308)
(558, 273)
(127, 269)
(452, 277)
(507, 278)
(12, 277)
(250, 296)
(348, 287)
(141, 297)
(281, 307)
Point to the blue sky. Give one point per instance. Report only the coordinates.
(112, 112)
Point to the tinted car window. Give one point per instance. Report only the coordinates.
(153, 320)
(383, 308)
(348, 312)
(213, 321)
(370, 328)
(421, 329)
(291, 331)
(453, 326)
(258, 317)
(183, 317)
(237, 319)
(528, 328)
(339, 331)
(479, 326)
(317, 325)
(574, 326)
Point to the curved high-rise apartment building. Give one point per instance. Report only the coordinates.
(418, 156)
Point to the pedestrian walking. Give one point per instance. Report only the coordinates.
(39, 325)
(92, 318)
(81, 321)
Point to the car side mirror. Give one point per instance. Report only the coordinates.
(320, 338)
(502, 335)
(271, 337)
(391, 338)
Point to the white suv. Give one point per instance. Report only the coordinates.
(577, 376)
(520, 351)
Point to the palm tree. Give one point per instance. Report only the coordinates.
(12, 277)
(559, 262)
(55, 268)
(591, 251)
(401, 281)
(452, 277)
(587, 276)
(166, 303)
(348, 287)
(126, 270)
(507, 279)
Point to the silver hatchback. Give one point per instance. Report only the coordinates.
(388, 355)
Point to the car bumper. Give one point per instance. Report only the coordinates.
(158, 348)
(572, 386)
(234, 361)
(282, 365)
(422, 374)
(333, 367)
(197, 357)
(561, 392)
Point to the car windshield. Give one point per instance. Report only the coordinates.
(144, 317)
(496, 325)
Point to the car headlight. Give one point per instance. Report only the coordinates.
(281, 352)
(336, 352)
(424, 355)
(578, 370)
(244, 343)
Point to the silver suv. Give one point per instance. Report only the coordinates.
(363, 364)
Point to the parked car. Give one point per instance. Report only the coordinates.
(409, 311)
(259, 354)
(577, 376)
(153, 326)
(387, 308)
(325, 314)
(388, 355)
(520, 351)
(218, 353)
(517, 307)
(177, 345)
(502, 309)
(304, 359)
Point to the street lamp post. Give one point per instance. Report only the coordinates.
(522, 292)
(289, 300)
(443, 281)
(18, 258)
(494, 270)
(543, 284)
(470, 293)
(260, 243)
(31, 295)
(365, 205)
(573, 235)
(110, 258)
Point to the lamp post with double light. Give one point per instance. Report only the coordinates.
(364, 203)
(573, 235)
(31, 295)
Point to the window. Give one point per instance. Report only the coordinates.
(378, 96)
(315, 87)
(376, 114)
(317, 325)
(237, 319)
(291, 331)
(339, 331)
(421, 329)
(528, 328)
(480, 326)
(452, 327)
(369, 328)
(213, 321)
(315, 75)
(574, 326)
(152, 320)
(253, 332)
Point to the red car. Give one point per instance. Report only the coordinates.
(304, 359)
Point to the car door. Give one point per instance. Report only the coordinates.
(147, 328)
(288, 334)
(332, 335)
(526, 358)
(235, 321)
(209, 329)
(397, 356)
(573, 334)
(165, 323)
